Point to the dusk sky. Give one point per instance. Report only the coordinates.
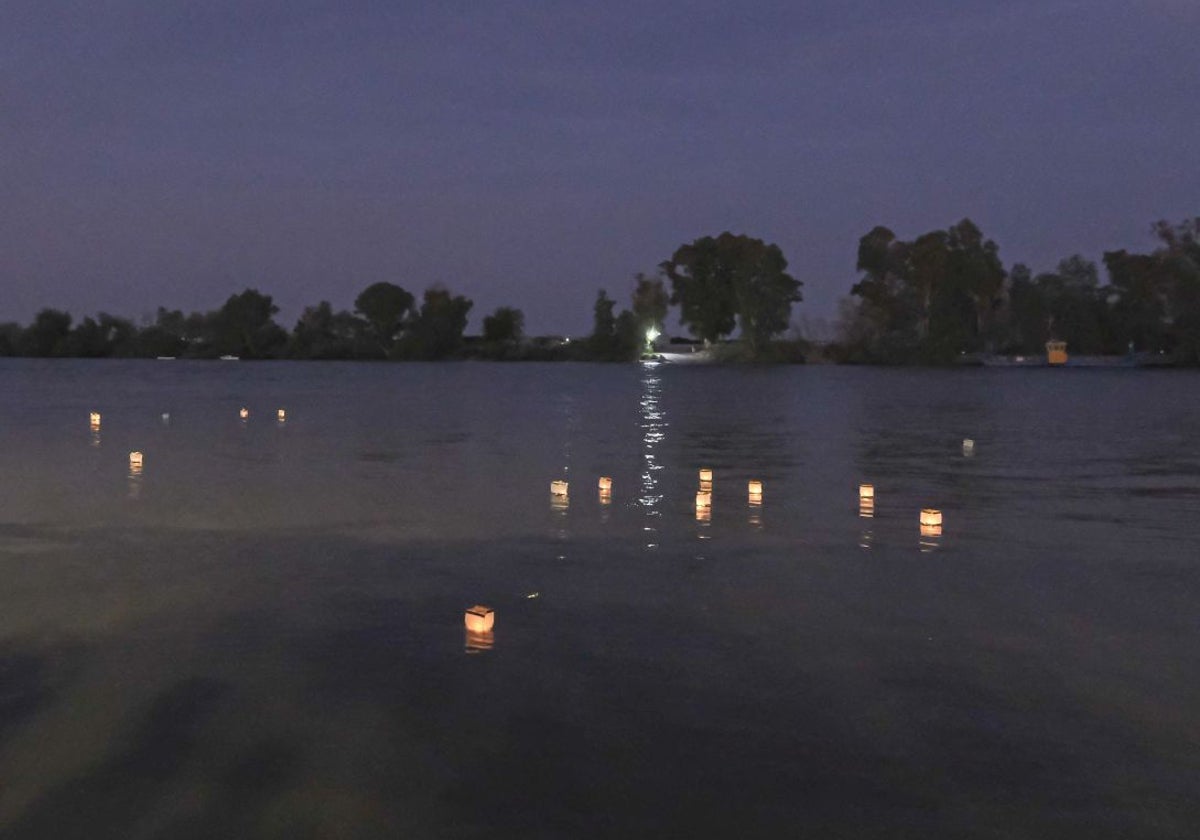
(530, 153)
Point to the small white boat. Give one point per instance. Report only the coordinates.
(231, 358)
(165, 358)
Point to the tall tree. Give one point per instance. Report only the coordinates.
(386, 308)
(48, 335)
(438, 329)
(650, 303)
(244, 326)
(505, 326)
(719, 282)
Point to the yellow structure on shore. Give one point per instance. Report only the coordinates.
(1056, 352)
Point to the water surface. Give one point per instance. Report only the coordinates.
(261, 634)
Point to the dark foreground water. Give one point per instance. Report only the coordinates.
(261, 635)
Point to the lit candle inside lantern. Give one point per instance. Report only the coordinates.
(605, 484)
(244, 413)
(95, 419)
(558, 488)
(703, 500)
(479, 619)
(866, 491)
(282, 415)
(931, 517)
(706, 474)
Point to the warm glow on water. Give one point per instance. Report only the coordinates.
(265, 628)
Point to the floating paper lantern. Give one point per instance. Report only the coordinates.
(931, 517)
(479, 619)
(135, 459)
(931, 531)
(703, 500)
(755, 488)
(95, 419)
(706, 486)
(281, 415)
(968, 446)
(866, 491)
(605, 484)
(706, 474)
(558, 488)
(244, 413)
(166, 417)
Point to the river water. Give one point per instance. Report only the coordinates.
(261, 632)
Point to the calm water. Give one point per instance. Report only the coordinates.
(261, 635)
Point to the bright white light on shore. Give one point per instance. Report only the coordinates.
(652, 334)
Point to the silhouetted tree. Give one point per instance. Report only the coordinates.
(505, 326)
(720, 281)
(650, 303)
(243, 326)
(387, 309)
(438, 329)
(48, 335)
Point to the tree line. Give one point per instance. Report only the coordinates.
(718, 283)
(946, 294)
(937, 299)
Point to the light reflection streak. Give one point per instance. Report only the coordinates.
(653, 425)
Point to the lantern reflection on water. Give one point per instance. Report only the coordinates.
(703, 514)
(866, 508)
(706, 475)
(703, 500)
(605, 497)
(706, 486)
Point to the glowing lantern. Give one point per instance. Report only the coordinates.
(755, 488)
(281, 415)
(968, 447)
(866, 491)
(931, 517)
(605, 484)
(703, 500)
(479, 619)
(706, 475)
(135, 459)
(931, 531)
(558, 488)
(95, 419)
(244, 413)
(166, 417)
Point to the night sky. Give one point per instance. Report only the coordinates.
(529, 153)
